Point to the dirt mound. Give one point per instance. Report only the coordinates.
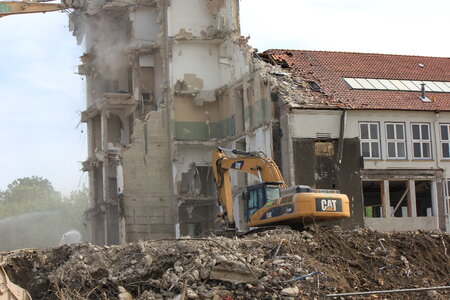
(267, 265)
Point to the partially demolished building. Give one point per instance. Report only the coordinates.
(168, 82)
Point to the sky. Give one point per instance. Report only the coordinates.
(42, 96)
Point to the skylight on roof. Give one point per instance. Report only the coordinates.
(396, 85)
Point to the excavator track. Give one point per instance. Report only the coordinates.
(234, 233)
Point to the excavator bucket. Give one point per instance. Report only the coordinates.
(10, 291)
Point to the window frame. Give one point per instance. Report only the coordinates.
(370, 140)
(396, 140)
(442, 141)
(421, 141)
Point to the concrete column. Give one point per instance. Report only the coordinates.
(245, 85)
(105, 169)
(287, 150)
(93, 199)
(104, 143)
(91, 153)
(434, 199)
(386, 199)
(412, 198)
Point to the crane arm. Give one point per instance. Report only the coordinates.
(27, 7)
(262, 167)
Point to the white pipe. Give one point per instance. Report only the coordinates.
(387, 291)
(438, 157)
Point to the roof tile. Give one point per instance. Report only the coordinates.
(328, 68)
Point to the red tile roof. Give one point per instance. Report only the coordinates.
(328, 68)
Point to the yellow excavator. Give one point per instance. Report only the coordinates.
(8, 8)
(271, 202)
(10, 291)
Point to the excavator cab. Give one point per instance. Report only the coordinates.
(258, 195)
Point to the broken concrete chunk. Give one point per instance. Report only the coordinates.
(205, 96)
(196, 275)
(204, 273)
(184, 35)
(124, 295)
(234, 272)
(191, 294)
(290, 291)
(278, 261)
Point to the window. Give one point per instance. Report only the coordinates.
(421, 140)
(396, 141)
(255, 200)
(396, 85)
(445, 140)
(369, 134)
(424, 198)
(372, 195)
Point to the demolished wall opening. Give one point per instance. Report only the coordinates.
(197, 217)
(372, 196)
(130, 119)
(324, 152)
(110, 86)
(198, 181)
(399, 203)
(96, 136)
(98, 184)
(424, 203)
(115, 129)
(147, 88)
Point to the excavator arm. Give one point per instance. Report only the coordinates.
(249, 162)
(8, 8)
(10, 291)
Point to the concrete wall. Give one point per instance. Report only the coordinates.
(197, 64)
(402, 224)
(145, 26)
(317, 164)
(149, 206)
(197, 20)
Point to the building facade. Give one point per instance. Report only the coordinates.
(390, 112)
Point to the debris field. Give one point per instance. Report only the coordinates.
(275, 264)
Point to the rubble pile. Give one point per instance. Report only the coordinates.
(276, 264)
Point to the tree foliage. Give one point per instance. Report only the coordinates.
(28, 194)
(34, 215)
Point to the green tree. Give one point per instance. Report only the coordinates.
(28, 194)
(34, 215)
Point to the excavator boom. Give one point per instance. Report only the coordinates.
(249, 162)
(8, 8)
